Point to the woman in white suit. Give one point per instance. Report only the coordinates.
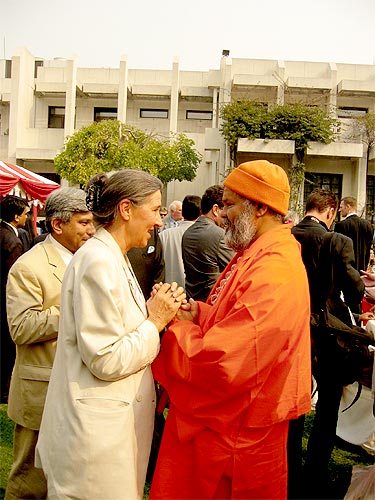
(97, 425)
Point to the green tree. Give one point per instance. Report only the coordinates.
(365, 125)
(301, 124)
(110, 145)
(242, 119)
(297, 122)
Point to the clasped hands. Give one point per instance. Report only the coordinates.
(167, 302)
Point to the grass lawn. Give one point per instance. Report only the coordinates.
(6, 451)
(343, 457)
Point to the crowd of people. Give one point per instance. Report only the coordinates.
(124, 309)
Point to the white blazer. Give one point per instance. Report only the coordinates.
(97, 425)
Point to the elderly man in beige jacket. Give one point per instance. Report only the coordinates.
(33, 306)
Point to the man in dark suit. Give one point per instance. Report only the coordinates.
(148, 263)
(339, 276)
(13, 214)
(358, 229)
(204, 251)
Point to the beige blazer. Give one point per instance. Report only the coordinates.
(33, 306)
(96, 430)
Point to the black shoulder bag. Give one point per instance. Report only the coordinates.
(348, 346)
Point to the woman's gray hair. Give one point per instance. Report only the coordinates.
(104, 192)
(63, 204)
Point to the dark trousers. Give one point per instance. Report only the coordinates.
(295, 434)
(323, 434)
(8, 357)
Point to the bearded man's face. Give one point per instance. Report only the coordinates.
(239, 221)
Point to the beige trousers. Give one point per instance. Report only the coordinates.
(25, 481)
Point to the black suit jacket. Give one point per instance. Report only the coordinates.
(11, 248)
(205, 257)
(361, 233)
(338, 267)
(148, 263)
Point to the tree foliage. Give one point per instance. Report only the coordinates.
(297, 122)
(366, 127)
(302, 124)
(242, 119)
(110, 145)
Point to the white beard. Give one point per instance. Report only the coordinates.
(241, 233)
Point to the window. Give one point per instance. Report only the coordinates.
(333, 182)
(8, 68)
(56, 117)
(351, 112)
(153, 113)
(37, 64)
(370, 201)
(198, 115)
(51, 176)
(101, 114)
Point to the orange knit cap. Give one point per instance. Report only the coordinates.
(263, 182)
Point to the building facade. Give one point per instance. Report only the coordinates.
(45, 101)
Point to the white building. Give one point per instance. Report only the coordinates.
(43, 102)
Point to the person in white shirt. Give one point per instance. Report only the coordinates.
(174, 215)
(171, 240)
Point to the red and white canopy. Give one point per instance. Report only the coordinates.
(24, 183)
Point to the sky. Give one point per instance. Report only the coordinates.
(153, 33)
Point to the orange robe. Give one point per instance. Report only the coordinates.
(236, 377)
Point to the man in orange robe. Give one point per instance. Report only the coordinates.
(237, 368)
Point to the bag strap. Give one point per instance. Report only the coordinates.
(356, 397)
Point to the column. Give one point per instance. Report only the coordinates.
(280, 82)
(175, 90)
(123, 90)
(332, 100)
(70, 97)
(21, 101)
(361, 181)
(225, 97)
(215, 113)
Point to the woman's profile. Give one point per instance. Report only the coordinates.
(97, 425)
